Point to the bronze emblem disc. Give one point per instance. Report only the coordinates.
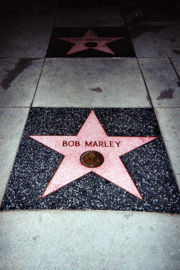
(90, 44)
(92, 159)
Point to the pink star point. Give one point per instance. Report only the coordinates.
(81, 43)
(92, 137)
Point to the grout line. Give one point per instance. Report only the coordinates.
(38, 82)
(161, 128)
(148, 93)
(167, 107)
(115, 57)
(58, 106)
(15, 107)
(129, 34)
(92, 107)
(53, 24)
(13, 57)
(166, 147)
(159, 57)
(83, 211)
(172, 64)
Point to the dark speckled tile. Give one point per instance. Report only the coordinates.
(120, 48)
(148, 165)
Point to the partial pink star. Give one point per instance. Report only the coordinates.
(92, 136)
(83, 43)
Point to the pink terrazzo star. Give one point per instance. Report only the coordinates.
(92, 136)
(90, 41)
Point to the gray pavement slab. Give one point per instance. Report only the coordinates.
(88, 16)
(25, 32)
(12, 123)
(19, 78)
(89, 240)
(162, 81)
(156, 39)
(91, 83)
(168, 119)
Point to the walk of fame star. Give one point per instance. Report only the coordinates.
(90, 41)
(92, 137)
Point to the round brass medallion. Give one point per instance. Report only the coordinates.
(90, 44)
(92, 159)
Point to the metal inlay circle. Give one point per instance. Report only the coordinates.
(92, 159)
(90, 44)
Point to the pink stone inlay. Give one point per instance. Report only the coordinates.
(92, 136)
(81, 43)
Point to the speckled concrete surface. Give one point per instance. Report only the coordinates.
(97, 82)
(88, 16)
(148, 165)
(19, 78)
(170, 125)
(12, 121)
(25, 30)
(89, 240)
(156, 39)
(162, 81)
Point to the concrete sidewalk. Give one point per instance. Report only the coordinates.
(47, 89)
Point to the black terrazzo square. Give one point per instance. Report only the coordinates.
(90, 42)
(36, 164)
